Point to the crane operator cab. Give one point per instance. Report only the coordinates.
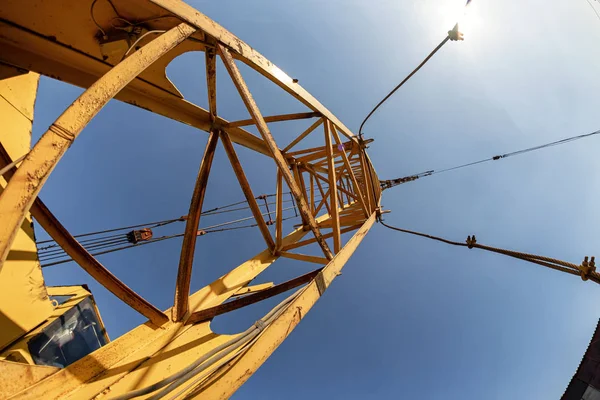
(73, 330)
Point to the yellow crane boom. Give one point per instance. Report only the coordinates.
(175, 352)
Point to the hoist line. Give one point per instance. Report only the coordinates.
(210, 229)
(91, 243)
(45, 254)
(84, 242)
(213, 211)
(158, 239)
(113, 250)
(470, 243)
(156, 223)
(248, 207)
(154, 240)
(207, 230)
(394, 182)
(89, 250)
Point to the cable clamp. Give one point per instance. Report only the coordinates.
(260, 325)
(471, 241)
(587, 267)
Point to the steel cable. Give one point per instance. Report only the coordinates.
(154, 224)
(207, 230)
(394, 182)
(207, 359)
(553, 263)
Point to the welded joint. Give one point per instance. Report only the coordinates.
(216, 125)
(62, 132)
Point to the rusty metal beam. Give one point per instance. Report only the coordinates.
(324, 196)
(315, 168)
(316, 152)
(186, 259)
(276, 153)
(310, 168)
(275, 118)
(346, 220)
(333, 194)
(342, 185)
(367, 182)
(253, 289)
(360, 198)
(312, 240)
(19, 194)
(210, 57)
(241, 176)
(304, 257)
(300, 181)
(184, 274)
(373, 180)
(212, 312)
(303, 135)
(279, 211)
(312, 193)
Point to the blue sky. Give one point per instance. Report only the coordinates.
(408, 318)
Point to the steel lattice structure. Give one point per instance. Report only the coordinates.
(60, 40)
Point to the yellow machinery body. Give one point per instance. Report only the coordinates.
(63, 40)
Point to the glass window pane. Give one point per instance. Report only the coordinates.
(74, 335)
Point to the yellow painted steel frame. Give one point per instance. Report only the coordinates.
(340, 171)
(23, 298)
